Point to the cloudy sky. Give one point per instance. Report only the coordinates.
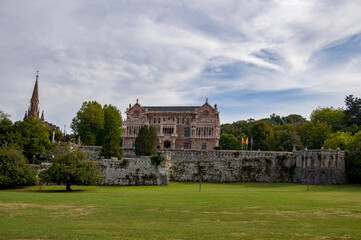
(252, 58)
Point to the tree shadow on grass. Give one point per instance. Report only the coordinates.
(56, 191)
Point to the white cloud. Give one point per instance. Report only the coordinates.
(158, 51)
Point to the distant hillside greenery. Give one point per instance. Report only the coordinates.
(328, 127)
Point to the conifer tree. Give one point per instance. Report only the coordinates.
(146, 142)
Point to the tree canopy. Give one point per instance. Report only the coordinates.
(353, 109)
(14, 170)
(89, 122)
(72, 167)
(335, 117)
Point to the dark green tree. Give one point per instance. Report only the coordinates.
(146, 141)
(276, 119)
(89, 123)
(287, 139)
(229, 142)
(33, 136)
(293, 119)
(263, 136)
(111, 139)
(313, 135)
(14, 170)
(72, 167)
(353, 110)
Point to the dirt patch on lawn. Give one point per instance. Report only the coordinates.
(224, 213)
(57, 210)
(241, 234)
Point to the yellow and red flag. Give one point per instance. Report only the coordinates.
(247, 141)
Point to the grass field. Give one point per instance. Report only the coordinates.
(180, 211)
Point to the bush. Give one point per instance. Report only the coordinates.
(157, 159)
(13, 168)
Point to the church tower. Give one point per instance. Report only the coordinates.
(34, 101)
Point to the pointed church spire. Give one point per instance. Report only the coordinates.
(42, 115)
(34, 101)
(35, 96)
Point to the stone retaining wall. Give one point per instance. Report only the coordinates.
(319, 166)
(132, 171)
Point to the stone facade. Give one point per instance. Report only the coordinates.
(177, 127)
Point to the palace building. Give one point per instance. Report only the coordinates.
(177, 127)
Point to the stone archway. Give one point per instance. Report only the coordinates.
(167, 144)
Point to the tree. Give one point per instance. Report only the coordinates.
(111, 139)
(287, 139)
(342, 140)
(13, 168)
(89, 122)
(313, 135)
(146, 141)
(263, 137)
(4, 115)
(331, 116)
(229, 142)
(33, 136)
(276, 119)
(293, 118)
(353, 110)
(72, 167)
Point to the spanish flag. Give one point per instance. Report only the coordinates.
(242, 141)
(247, 141)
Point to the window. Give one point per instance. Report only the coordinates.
(178, 120)
(150, 120)
(186, 133)
(154, 120)
(187, 120)
(186, 146)
(204, 146)
(133, 145)
(158, 120)
(183, 120)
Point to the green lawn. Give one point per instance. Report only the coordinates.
(180, 211)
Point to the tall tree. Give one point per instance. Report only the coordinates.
(111, 139)
(146, 141)
(89, 122)
(353, 110)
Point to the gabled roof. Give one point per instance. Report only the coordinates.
(171, 108)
